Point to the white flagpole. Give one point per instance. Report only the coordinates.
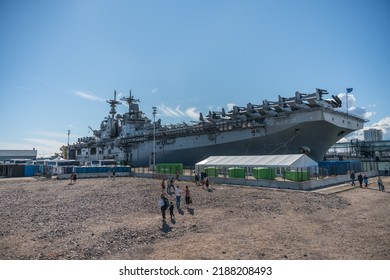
(347, 90)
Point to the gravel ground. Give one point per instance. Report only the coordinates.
(119, 219)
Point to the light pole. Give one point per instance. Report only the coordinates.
(154, 137)
(372, 156)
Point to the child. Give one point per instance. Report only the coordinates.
(207, 183)
(365, 179)
(171, 207)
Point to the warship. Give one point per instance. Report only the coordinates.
(304, 123)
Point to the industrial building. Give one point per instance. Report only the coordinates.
(18, 154)
(373, 135)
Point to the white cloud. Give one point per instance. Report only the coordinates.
(177, 109)
(87, 96)
(52, 146)
(55, 134)
(166, 111)
(192, 113)
(154, 91)
(352, 108)
(368, 115)
(351, 100)
(44, 147)
(120, 95)
(169, 112)
(15, 146)
(343, 140)
(384, 125)
(230, 106)
(215, 108)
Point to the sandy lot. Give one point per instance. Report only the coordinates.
(119, 219)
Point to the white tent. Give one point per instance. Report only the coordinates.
(293, 161)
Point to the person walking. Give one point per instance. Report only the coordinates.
(202, 182)
(178, 197)
(352, 176)
(171, 207)
(196, 179)
(360, 180)
(74, 178)
(71, 179)
(365, 180)
(380, 184)
(163, 185)
(188, 196)
(163, 203)
(171, 190)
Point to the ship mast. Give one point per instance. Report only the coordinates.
(113, 103)
(130, 100)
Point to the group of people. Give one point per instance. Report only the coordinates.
(364, 179)
(168, 189)
(204, 180)
(361, 179)
(164, 202)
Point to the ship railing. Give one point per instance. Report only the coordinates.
(346, 114)
(196, 130)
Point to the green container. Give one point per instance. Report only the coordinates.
(169, 168)
(211, 171)
(297, 175)
(264, 173)
(236, 172)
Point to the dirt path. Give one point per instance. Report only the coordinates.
(119, 219)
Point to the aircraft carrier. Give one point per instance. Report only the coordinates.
(304, 123)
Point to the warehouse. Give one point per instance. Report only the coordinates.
(17, 163)
(18, 154)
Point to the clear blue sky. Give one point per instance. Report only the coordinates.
(60, 60)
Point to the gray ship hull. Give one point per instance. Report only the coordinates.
(305, 124)
(312, 133)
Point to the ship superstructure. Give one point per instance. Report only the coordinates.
(304, 123)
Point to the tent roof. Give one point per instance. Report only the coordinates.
(296, 160)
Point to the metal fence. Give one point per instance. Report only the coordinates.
(250, 173)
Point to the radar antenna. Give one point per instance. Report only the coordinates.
(113, 103)
(130, 100)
